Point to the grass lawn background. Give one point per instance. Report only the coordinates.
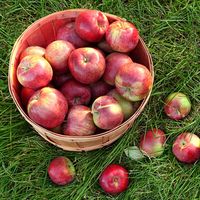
(171, 30)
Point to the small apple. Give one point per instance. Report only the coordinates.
(113, 63)
(61, 171)
(79, 121)
(47, 107)
(32, 50)
(107, 113)
(68, 33)
(34, 72)
(91, 25)
(114, 179)
(25, 95)
(177, 106)
(122, 36)
(152, 143)
(99, 88)
(59, 80)
(76, 93)
(86, 65)
(128, 107)
(186, 147)
(133, 81)
(57, 54)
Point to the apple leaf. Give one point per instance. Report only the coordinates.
(134, 153)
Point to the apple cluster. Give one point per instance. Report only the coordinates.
(85, 79)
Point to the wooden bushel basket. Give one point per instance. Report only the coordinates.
(41, 33)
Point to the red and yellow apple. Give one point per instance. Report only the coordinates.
(91, 25)
(47, 107)
(79, 121)
(133, 81)
(186, 147)
(34, 72)
(122, 36)
(107, 112)
(177, 106)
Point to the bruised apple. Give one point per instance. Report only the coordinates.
(114, 179)
(86, 65)
(76, 93)
(107, 113)
(122, 36)
(68, 33)
(57, 54)
(133, 81)
(152, 142)
(32, 50)
(113, 63)
(186, 147)
(91, 25)
(99, 88)
(177, 106)
(61, 171)
(47, 107)
(34, 72)
(79, 121)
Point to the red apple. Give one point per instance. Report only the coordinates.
(32, 50)
(76, 93)
(47, 107)
(177, 106)
(107, 113)
(114, 179)
(133, 81)
(152, 143)
(59, 80)
(34, 72)
(91, 25)
(113, 63)
(103, 45)
(61, 171)
(86, 65)
(25, 94)
(99, 88)
(128, 107)
(122, 36)
(186, 148)
(68, 33)
(79, 121)
(57, 54)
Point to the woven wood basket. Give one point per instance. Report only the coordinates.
(41, 33)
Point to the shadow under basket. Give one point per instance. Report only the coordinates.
(41, 33)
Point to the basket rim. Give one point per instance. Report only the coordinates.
(30, 121)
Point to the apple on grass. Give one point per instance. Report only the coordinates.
(61, 170)
(47, 107)
(76, 93)
(91, 25)
(107, 113)
(68, 33)
(113, 63)
(34, 72)
(177, 106)
(33, 50)
(152, 143)
(122, 36)
(186, 147)
(114, 179)
(133, 81)
(86, 65)
(57, 53)
(79, 121)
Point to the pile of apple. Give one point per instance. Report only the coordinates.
(85, 79)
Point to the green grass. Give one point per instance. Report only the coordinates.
(171, 31)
